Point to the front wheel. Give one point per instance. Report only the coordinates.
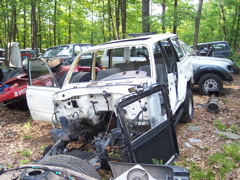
(210, 82)
(188, 108)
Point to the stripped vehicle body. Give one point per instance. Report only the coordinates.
(125, 111)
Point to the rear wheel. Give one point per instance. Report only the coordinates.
(72, 163)
(210, 82)
(188, 108)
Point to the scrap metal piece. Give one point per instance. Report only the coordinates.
(212, 104)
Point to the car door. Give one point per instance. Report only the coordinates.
(148, 128)
(184, 69)
(176, 72)
(42, 86)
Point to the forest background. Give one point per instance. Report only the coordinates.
(56, 22)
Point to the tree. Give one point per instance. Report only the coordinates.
(197, 24)
(34, 28)
(145, 16)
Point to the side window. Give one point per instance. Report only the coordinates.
(220, 46)
(118, 52)
(77, 49)
(177, 48)
(40, 74)
(158, 56)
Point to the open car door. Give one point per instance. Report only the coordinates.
(42, 86)
(149, 131)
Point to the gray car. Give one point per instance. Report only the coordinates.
(215, 49)
(66, 53)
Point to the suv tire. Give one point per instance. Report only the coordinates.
(70, 162)
(210, 82)
(187, 108)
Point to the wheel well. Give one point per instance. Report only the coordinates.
(202, 73)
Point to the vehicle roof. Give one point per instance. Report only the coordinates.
(212, 42)
(69, 45)
(132, 41)
(26, 50)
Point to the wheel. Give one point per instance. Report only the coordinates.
(72, 163)
(62, 78)
(21, 103)
(187, 107)
(81, 77)
(1, 74)
(210, 82)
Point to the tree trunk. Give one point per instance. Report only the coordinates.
(69, 23)
(163, 3)
(55, 23)
(235, 41)
(14, 21)
(124, 18)
(111, 24)
(39, 25)
(197, 24)
(224, 27)
(145, 16)
(34, 22)
(25, 27)
(175, 15)
(118, 5)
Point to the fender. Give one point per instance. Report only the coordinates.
(214, 69)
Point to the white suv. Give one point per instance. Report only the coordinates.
(160, 59)
(125, 109)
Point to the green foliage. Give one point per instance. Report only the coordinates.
(158, 162)
(91, 21)
(233, 128)
(219, 125)
(227, 160)
(217, 165)
(27, 125)
(29, 136)
(26, 152)
(24, 161)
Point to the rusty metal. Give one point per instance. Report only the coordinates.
(212, 104)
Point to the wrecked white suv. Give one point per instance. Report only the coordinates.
(161, 60)
(122, 111)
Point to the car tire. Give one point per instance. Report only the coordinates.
(81, 77)
(70, 162)
(187, 108)
(210, 82)
(1, 74)
(62, 78)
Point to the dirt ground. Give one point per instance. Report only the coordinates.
(22, 140)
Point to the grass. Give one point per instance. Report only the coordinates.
(157, 162)
(27, 125)
(24, 161)
(217, 165)
(29, 136)
(219, 125)
(26, 152)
